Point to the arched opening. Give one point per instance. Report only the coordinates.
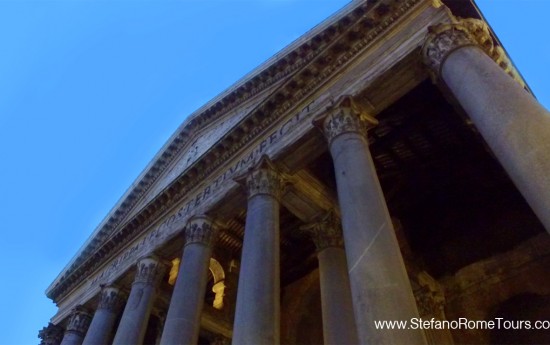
(215, 286)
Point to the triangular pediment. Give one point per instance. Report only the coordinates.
(198, 143)
(280, 86)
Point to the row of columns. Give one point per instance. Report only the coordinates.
(367, 281)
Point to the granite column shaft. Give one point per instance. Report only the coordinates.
(182, 323)
(379, 283)
(105, 316)
(336, 302)
(257, 314)
(135, 317)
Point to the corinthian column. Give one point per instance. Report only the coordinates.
(379, 283)
(514, 125)
(257, 315)
(182, 323)
(337, 306)
(101, 328)
(77, 327)
(135, 317)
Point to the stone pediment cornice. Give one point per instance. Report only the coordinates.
(302, 71)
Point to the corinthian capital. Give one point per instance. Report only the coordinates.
(445, 38)
(149, 270)
(325, 233)
(429, 296)
(112, 299)
(51, 335)
(79, 320)
(263, 178)
(201, 229)
(344, 116)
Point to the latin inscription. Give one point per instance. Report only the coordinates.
(175, 221)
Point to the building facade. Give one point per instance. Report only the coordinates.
(389, 165)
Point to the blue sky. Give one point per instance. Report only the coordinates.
(90, 91)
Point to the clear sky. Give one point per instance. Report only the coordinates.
(90, 91)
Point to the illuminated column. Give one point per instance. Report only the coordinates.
(379, 283)
(514, 125)
(257, 315)
(182, 323)
(103, 323)
(77, 327)
(337, 306)
(135, 317)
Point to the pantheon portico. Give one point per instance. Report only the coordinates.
(390, 164)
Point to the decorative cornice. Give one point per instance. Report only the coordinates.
(79, 321)
(202, 230)
(344, 116)
(263, 178)
(326, 232)
(51, 335)
(112, 299)
(333, 48)
(149, 270)
(443, 39)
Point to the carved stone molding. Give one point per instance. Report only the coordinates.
(325, 233)
(429, 302)
(263, 178)
(112, 299)
(443, 39)
(201, 229)
(79, 320)
(429, 296)
(344, 116)
(51, 335)
(149, 270)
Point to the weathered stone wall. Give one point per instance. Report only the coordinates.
(478, 291)
(301, 321)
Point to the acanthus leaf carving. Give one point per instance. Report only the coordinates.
(149, 270)
(79, 320)
(344, 116)
(443, 39)
(201, 229)
(111, 299)
(51, 334)
(264, 178)
(326, 232)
